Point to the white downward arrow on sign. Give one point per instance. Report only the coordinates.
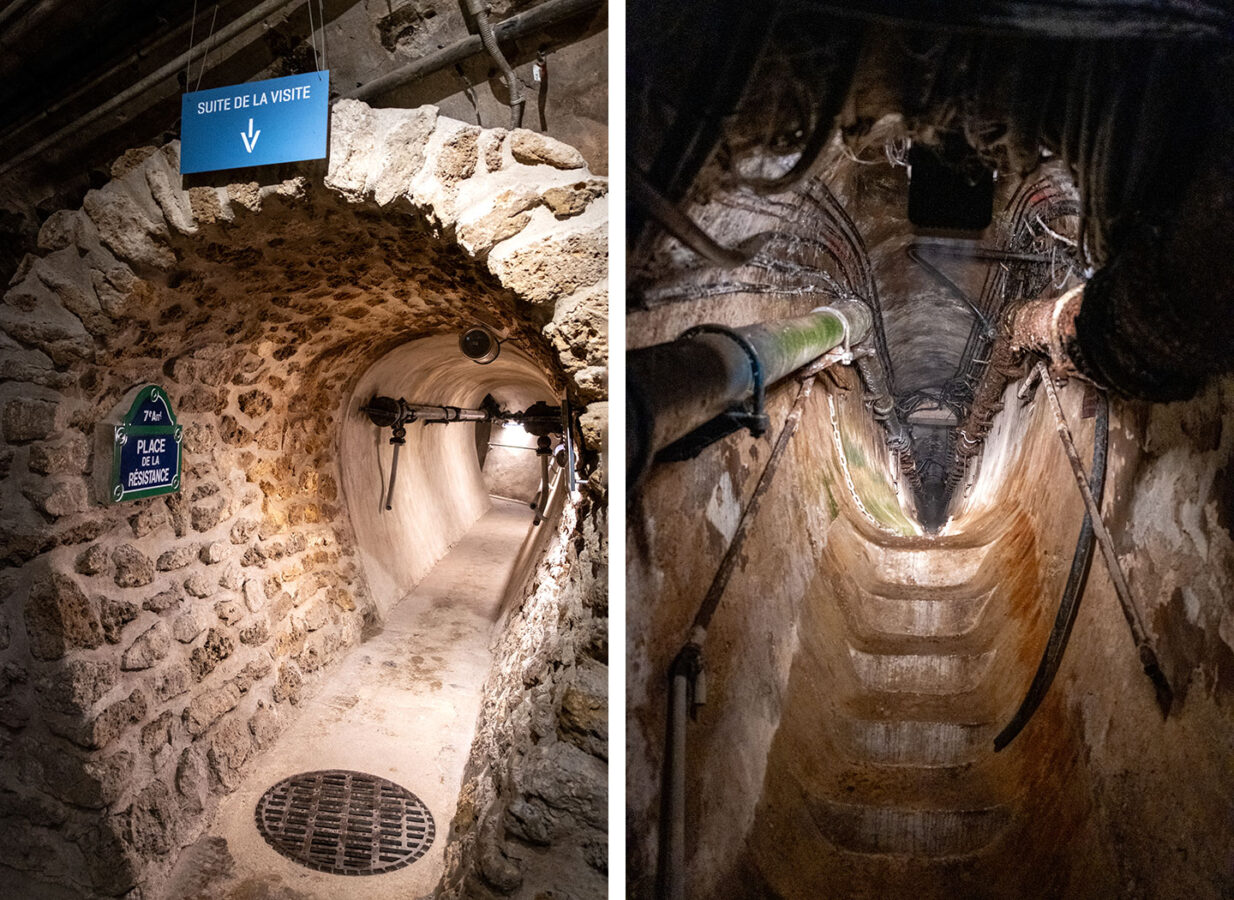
(250, 139)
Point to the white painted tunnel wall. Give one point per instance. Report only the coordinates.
(439, 492)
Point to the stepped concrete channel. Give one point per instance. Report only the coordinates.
(893, 776)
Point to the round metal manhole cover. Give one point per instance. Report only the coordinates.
(345, 823)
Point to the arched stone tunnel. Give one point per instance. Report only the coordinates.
(828, 729)
(161, 654)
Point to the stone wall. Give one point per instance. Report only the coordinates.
(532, 817)
(149, 649)
(1160, 787)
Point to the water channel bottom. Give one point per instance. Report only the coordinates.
(345, 823)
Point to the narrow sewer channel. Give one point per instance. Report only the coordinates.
(402, 706)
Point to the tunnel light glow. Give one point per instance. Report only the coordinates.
(513, 431)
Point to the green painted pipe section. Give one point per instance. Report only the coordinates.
(675, 387)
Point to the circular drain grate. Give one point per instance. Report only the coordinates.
(345, 823)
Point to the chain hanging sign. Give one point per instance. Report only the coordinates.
(255, 124)
(143, 442)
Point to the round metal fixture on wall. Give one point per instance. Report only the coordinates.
(345, 823)
(479, 345)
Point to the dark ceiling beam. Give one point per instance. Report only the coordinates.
(538, 17)
(1110, 20)
(234, 31)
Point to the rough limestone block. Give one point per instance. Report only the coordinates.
(29, 419)
(75, 688)
(93, 561)
(64, 228)
(66, 274)
(163, 178)
(216, 648)
(484, 225)
(353, 138)
(133, 568)
(89, 783)
(33, 366)
(66, 456)
(198, 585)
(405, 145)
(156, 734)
(173, 681)
(593, 422)
(229, 748)
(127, 230)
(176, 558)
(151, 645)
(532, 148)
(60, 618)
(154, 821)
(115, 615)
(492, 143)
(567, 780)
(207, 708)
(583, 718)
(288, 685)
(254, 595)
(544, 266)
(154, 516)
(188, 625)
(163, 601)
(57, 497)
(112, 722)
(571, 200)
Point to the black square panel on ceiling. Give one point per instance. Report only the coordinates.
(955, 193)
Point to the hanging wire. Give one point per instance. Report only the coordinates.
(209, 44)
(313, 37)
(188, 59)
(321, 15)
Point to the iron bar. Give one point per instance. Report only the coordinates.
(1073, 591)
(687, 232)
(1148, 656)
(687, 673)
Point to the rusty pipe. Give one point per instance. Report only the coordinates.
(1048, 327)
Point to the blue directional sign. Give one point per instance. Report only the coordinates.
(255, 124)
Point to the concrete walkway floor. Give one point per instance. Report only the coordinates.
(403, 706)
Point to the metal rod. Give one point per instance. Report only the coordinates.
(534, 19)
(673, 834)
(715, 592)
(1069, 605)
(675, 387)
(687, 232)
(915, 254)
(1148, 657)
(393, 476)
(686, 673)
(170, 70)
(543, 499)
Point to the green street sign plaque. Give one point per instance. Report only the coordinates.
(143, 441)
